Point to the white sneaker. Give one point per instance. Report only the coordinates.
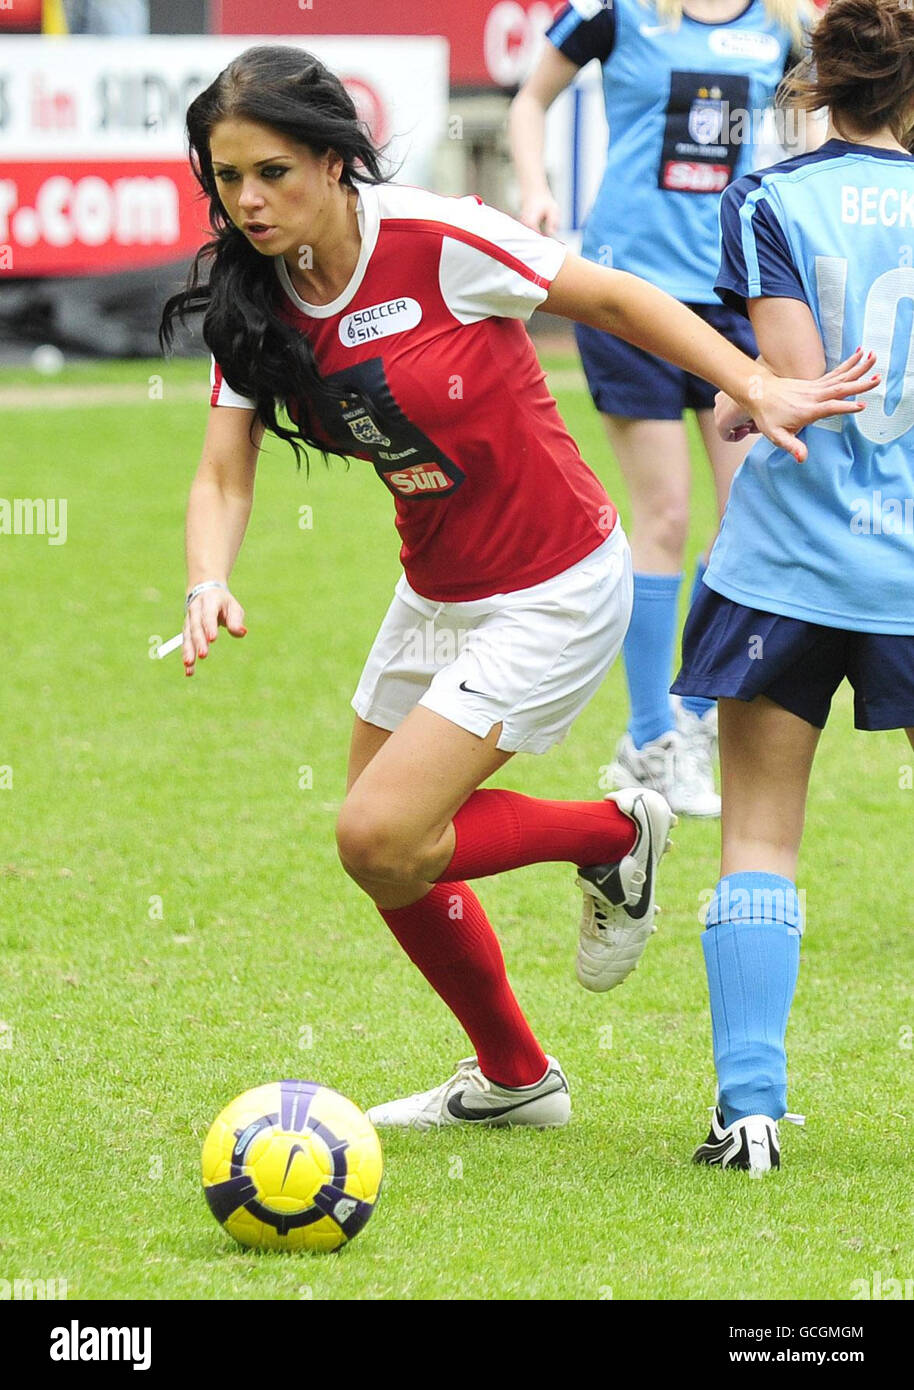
(669, 766)
(752, 1144)
(619, 908)
(471, 1097)
(699, 731)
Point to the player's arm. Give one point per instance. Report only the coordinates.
(527, 132)
(788, 337)
(632, 309)
(218, 508)
(786, 332)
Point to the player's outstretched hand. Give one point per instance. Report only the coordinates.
(781, 406)
(212, 609)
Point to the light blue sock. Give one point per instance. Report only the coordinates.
(751, 946)
(697, 704)
(649, 655)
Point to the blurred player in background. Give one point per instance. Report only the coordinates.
(685, 90)
(812, 576)
(388, 320)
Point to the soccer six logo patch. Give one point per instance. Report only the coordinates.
(379, 321)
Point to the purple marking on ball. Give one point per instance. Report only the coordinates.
(296, 1098)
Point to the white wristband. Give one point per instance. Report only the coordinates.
(201, 588)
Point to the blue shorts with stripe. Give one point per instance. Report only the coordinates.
(626, 381)
(730, 651)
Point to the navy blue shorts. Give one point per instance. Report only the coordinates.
(623, 380)
(733, 652)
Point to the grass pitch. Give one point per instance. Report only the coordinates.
(174, 927)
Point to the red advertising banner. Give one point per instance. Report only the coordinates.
(94, 177)
(20, 17)
(97, 216)
(492, 41)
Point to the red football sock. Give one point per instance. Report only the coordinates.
(449, 937)
(498, 830)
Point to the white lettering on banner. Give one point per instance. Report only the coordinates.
(512, 38)
(146, 211)
(145, 101)
(865, 207)
(9, 197)
(90, 211)
(379, 321)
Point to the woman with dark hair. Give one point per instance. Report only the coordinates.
(388, 321)
(812, 577)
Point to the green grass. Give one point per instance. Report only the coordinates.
(128, 1029)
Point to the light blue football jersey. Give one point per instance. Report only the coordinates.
(831, 540)
(685, 107)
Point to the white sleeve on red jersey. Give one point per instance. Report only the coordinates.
(222, 393)
(493, 266)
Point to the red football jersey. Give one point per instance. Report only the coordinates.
(437, 384)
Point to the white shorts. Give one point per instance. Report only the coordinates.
(529, 660)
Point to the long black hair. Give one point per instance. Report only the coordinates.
(235, 286)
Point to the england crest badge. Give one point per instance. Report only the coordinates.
(363, 427)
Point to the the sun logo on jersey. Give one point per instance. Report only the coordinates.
(421, 477)
(706, 118)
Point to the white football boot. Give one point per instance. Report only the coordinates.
(752, 1144)
(618, 912)
(668, 765)
(699, 732)
(471, 1098)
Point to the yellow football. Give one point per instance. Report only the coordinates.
(292, 1166)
